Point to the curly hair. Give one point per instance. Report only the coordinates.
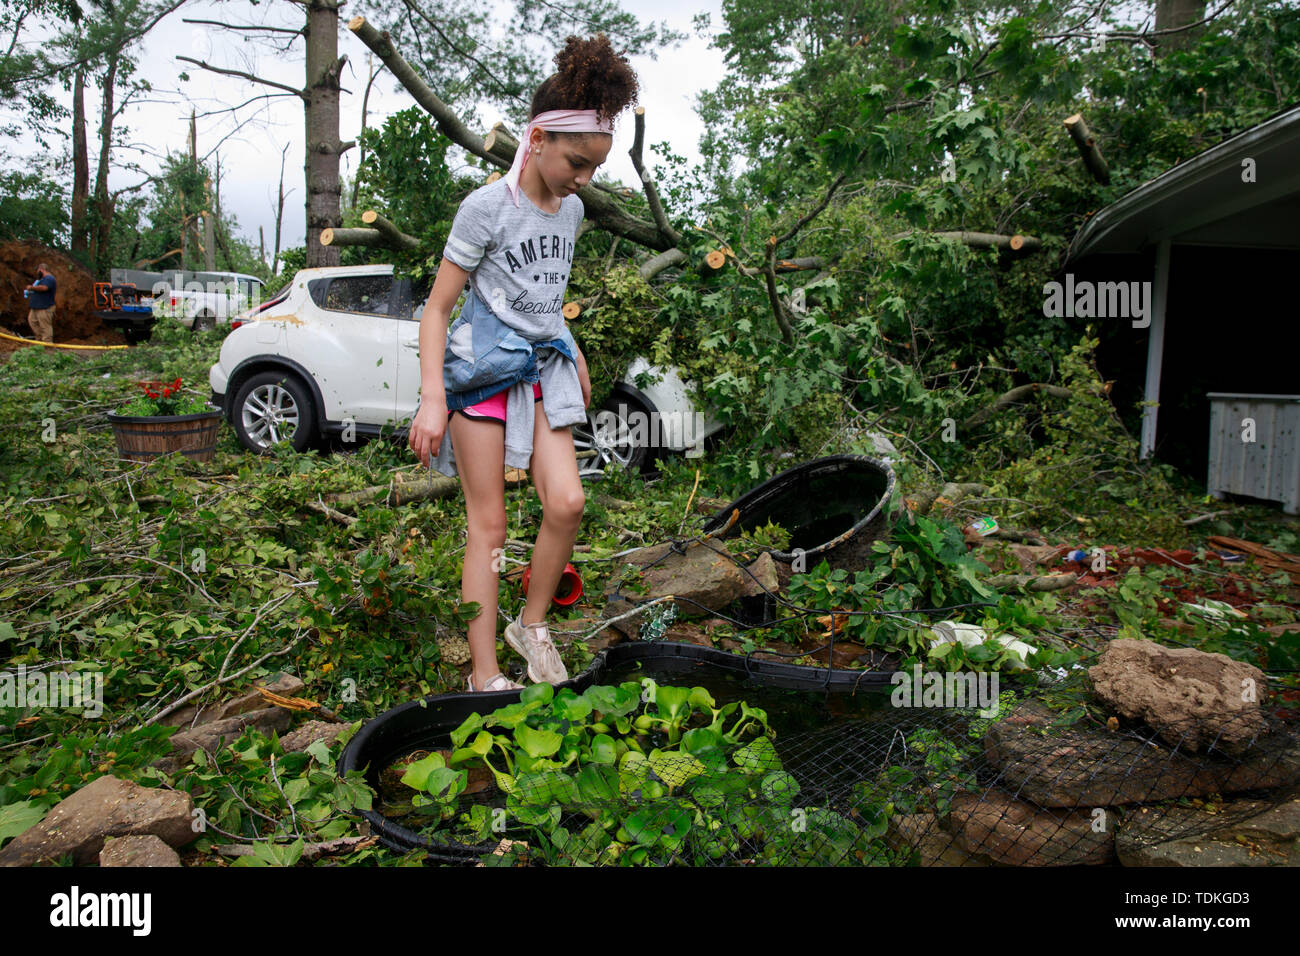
(591, 76)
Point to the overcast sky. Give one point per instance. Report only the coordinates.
(250, 158)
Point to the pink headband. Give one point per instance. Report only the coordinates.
(561, 121)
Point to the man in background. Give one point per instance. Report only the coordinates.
(41, 304)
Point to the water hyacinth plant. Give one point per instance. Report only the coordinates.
(634, 774)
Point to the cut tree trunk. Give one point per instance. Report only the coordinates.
(1092, 157)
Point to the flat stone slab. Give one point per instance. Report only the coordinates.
(1241, 833)
(106, 807)
(286, 685)
(1090, 767)
(702, 579)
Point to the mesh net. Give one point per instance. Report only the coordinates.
(892, 786)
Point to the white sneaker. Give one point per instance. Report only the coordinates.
(534, 644)
(494, 684)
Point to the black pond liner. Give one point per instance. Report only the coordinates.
(410, 726)
(833, 507)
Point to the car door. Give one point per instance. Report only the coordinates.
(412, 295)
(350, 345)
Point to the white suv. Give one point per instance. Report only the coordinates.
(336, 353)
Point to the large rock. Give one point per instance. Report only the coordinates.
(1083, 766)
(146, 850)
(286, 685)
(703, 578)
(1191, 698)
(105, 807)
(1240, 833)
(1008, 831)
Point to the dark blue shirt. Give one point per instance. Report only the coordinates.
(43, 300)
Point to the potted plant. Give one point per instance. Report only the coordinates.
(161, 420)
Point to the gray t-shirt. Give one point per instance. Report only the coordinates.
(519, 257)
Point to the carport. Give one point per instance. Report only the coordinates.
(1218, 237)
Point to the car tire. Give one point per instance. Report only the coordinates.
(611, 438)
(267, 406)
(204, 323)
(135, 336)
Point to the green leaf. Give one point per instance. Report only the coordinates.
(16, 818)
(759, 756)
(537, 743)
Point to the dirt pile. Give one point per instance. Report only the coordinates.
(74, 301)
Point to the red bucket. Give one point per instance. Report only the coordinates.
(567, 592)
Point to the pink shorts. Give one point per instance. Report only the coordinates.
(494, 407)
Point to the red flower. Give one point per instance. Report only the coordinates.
(176, 384)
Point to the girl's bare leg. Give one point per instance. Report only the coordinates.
(555, 475)
(480, 450)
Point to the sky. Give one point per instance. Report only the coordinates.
(250, 156)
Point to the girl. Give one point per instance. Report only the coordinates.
(482, 380)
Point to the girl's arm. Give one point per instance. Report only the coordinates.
(425, 436)
(583, 378)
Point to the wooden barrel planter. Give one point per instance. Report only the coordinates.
(143, 438)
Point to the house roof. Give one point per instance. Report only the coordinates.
(1205, 201)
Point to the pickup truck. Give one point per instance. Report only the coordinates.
(218, 300)
(198, 300)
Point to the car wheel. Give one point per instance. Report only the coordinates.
(135, 336)
(272, 407)
(612, 432)
(204, 323)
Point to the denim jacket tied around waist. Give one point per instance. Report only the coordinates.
(484, 356)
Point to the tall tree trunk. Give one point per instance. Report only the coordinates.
(1171, 14)
(209, 229)
(103, 201)
(323, 147)
(279, 217)
(365, 103)
(80, 168)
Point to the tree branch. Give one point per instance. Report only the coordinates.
(247, 76)
(647, 181)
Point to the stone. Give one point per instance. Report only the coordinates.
(303, 737)
(286, 685)
(764, 577)
(702, 579)
(1240, 833)
(106, 807)
(144, 850)
(214, 735)
(934, 845)
(1085, 766)
(1192, 699)
(1011, 832)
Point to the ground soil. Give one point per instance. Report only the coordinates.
(74, 318)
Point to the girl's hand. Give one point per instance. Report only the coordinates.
(584, 380)
(425, 435)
